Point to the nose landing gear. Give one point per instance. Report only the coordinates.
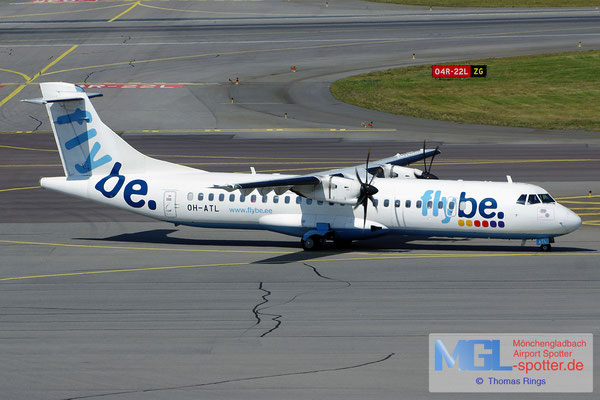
(545, 247)
(544, 244)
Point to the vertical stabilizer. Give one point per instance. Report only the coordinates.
(88, 147)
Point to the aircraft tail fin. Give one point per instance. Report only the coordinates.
(87, 146)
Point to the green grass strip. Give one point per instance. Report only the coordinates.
(495, 3)
(552, 91)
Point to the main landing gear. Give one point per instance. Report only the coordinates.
(313, 242)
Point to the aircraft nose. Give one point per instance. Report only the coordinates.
(570, 220)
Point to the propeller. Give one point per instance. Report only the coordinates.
(367, 190)
(426, 174)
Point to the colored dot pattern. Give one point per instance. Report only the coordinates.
(481, 224)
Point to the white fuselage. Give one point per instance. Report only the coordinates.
(404, 206)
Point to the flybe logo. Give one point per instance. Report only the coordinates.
(111, 185)
(92, 161)
(135, 187)
(469, 211)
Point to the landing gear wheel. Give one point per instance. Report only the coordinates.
(312, 243)
(545, 247)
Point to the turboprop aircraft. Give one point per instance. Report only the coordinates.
(366, 201)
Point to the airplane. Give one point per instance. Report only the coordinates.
(342, 205)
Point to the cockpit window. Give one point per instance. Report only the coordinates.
(546, 198)
(522, 198)
(533, 199)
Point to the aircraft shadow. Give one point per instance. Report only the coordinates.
(161, 236)
(395, 243)
(379, 245)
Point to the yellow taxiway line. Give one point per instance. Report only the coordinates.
(318, 260)
(33, 78)
(363, 257)
(20, 188)
(134, 5)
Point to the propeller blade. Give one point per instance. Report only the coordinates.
(360, 201)
(373, 178)
(365, 214)
(373, 202)
(424, 160)
(367, 166)
(432, 157)
(358, 177)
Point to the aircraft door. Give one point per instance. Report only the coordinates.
(398, 211)
(169, 204)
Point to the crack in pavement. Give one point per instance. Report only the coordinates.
(39, 123)
(257, 310)
(348, 284)
(251, 378)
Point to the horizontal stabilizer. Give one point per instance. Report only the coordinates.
(41, 100)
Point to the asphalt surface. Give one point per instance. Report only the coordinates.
(101, 303)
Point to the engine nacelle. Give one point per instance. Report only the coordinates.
(397, 171)
(334, 189)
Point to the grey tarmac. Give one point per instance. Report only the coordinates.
(100, 303)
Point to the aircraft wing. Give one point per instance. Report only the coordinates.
(272, 183)
(399, 159)
(313, 184)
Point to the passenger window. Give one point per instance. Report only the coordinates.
(375, 202)
(253, 198)
(546, 198)
(407, 204)
(221, 197)
(232, 197)
(287, 199)
(397, 203)
(419, 203)
(440, 204)
(330, 204)
(211, 196)
(275, 199)
(242, 198)
(451, 205)
(533, 199)
(298, 200)
(386, 203)
(308, 201)
(264, 199)
(320, 202)
(200, 196)
(190, 196)
(430, 204)
(521, 199)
